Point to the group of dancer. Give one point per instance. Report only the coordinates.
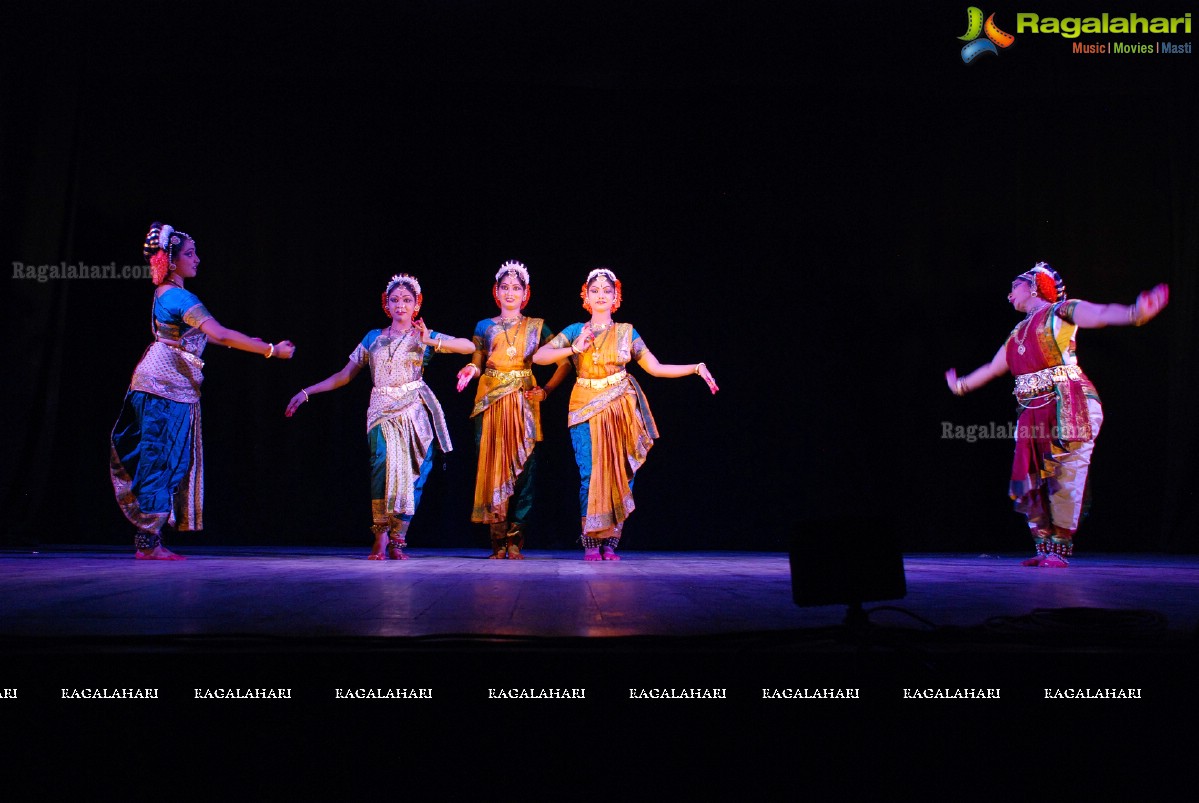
(157, 449)
(157, 444)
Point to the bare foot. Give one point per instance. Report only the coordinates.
(157, 553)
(1054, 561)
(516, 541)
(379, 551)
(499, 541)
(1035, 560)
(591, 553)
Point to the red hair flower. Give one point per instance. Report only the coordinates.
(1046, 287)
(159, 266)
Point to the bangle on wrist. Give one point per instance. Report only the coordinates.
(575, 350)
(305, 392)
(270, 352)
(962, 388)
(698, 365)
(1133, 317)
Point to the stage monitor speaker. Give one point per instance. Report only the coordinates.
(846, 561)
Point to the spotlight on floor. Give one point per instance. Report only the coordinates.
(846, 561)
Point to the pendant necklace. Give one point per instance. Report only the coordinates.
(595, 344)
(399, 341)
(504, 325)
(1021, 337)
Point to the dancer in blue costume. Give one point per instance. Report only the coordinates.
(157, 450)
(404, 418)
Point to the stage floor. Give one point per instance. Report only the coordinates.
(685, 643)
(305, 593)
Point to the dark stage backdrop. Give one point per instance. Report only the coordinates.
(826, 205)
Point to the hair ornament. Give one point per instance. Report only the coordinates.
(164, 237)
(159, 267)
(1046, 281)
(403, 278)
(602, 271)
(158, 248)
(516, 268)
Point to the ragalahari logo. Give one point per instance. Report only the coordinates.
(974, 27)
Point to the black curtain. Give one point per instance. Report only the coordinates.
(827, 206)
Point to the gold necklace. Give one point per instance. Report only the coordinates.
(505, 324)
(399, 341)
(595, 344)
(1027, 324)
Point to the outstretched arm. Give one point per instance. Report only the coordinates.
(473, 368)
(457, 345)
(980, 376)
(1144, 309)
(654, 368)
(234, 339)
(329, 383)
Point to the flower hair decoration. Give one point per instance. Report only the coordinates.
(159, 249)
(610, 276)
(164, 236)
(514, 267)
(160, 265)
(1046, 282)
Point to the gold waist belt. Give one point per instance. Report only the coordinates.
(508, 374)
(1043, 381)
(602, 383)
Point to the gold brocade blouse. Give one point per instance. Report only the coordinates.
(174, 372)
(601, 367)
(504, 358)
(397, 366)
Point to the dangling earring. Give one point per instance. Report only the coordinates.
(496, 295)
(525, 303)
(171, 267)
